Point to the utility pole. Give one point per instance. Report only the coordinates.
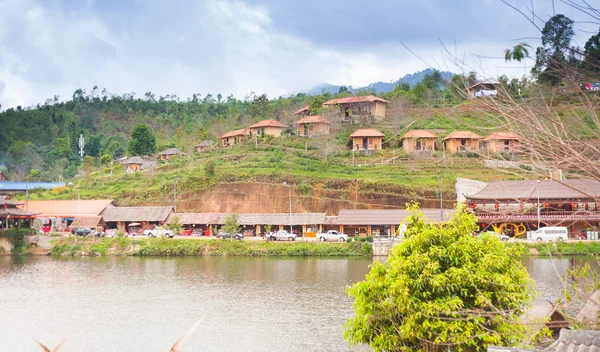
(441, 200)
(538, 202)
(27, 194)
(78, 201)
(175, 194)
(356, 190)
(290, 197)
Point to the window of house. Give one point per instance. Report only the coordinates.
(370, 140)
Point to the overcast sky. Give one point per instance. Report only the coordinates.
(50, 47)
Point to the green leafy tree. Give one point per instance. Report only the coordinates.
(316, 104)
(550, 57)
(442, 289)
(231, 224)
(592, 53)
(142, 142)
(175, 225)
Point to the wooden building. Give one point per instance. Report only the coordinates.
(205, 146)
(367, 139)
(169, 153)
(312, 126)
(148, 217)
(381, 222)
(234, 137)
(133, 164)
(418, 140)
(502, 142)
(360, 106)
(11, 213)
(272, 128)
(462, 141)
(512, 206)
(304, 111)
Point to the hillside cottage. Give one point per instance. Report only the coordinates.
(267, 128)
(133, 164)
(169, 153)
(367, 139)
(502, 142)
(304, 111)
(418, 140)
(311, 126)
(462, 141)
(204, 146)
(361, 106)
(234, 137)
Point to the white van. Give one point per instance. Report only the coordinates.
(550, 233)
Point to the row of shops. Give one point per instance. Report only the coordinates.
(511, 207)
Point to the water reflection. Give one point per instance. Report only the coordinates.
(135, 304)
(145, 304)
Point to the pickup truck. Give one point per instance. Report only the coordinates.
(159, 231)
(332, 235)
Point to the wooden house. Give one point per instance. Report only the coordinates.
(361, 106)
(304, 111)
(311, 126)
(418, 140)
(367, 139)
(267, 128)
(234, 137)
(133, 164)
(502, 142)
(169, 153)
(204, 146)
(462, 141)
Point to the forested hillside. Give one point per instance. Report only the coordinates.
(42, 141)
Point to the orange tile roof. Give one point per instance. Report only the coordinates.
(301, 110)
(312, 119)
(359, 99)
(268, 123)
(502, 136)
(462, 135)
(419, 134)
(67, 208)
(242, 132)
(367, 132)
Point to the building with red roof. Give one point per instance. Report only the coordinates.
(367, 139)
(502, 142)
(312, 126)
(462, 141)
(234, 137)
(418, 140)
(267, 128)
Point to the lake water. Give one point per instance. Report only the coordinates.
(146, 304)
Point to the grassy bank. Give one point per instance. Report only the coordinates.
(561, 249)
(169, 247)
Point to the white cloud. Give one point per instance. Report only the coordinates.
(186, 47)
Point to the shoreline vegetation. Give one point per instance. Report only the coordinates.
(73, 246)
(142, 247)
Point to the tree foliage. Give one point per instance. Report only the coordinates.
(551, 57)
(441, 289)
(592, 53)
(231, 224)
(142, 142)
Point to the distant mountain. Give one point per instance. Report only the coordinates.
(381, 87)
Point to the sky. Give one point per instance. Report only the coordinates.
(182, 47)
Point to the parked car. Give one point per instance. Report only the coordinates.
(332, 235)
(85, 232)
(159, 231)
(282, 235)
(224, 235)
(501, 237)
(550, 233)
